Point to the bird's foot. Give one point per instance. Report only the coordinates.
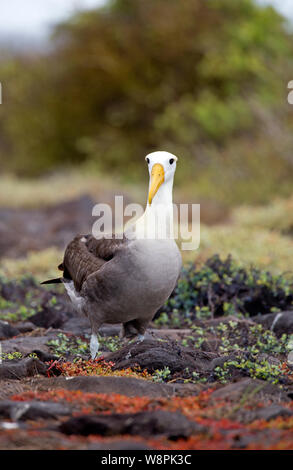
(136, 339)
(94, 346)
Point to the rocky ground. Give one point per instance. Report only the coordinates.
(214, 372)
(23, 230)
(221, 383)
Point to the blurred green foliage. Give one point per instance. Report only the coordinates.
(205, 79)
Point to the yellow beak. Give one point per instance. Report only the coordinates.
(157, 178)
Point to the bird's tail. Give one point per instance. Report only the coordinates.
(58, 280)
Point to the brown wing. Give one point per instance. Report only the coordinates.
(86, 255)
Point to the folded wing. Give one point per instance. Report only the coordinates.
(86, 255)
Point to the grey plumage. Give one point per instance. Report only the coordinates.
(125, 282)
(120, 280)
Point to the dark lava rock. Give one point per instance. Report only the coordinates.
(27, 344)
(279, 323)
(7, 331)
(24, 368)
(147, 424)
(271, 412)
(127, 386)
(24, 326)
(154, 355)
(253, 388)
(49, 317)
(43, 356)
(32, 410)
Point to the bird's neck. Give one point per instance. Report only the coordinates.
(157, 220)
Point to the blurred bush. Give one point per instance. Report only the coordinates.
(205, 79)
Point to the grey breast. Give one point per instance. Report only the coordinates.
(138, 280)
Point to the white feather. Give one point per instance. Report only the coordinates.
(73, 295)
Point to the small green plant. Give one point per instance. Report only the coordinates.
(5, 304)
(194, 341)
(112, 343)
(20, 314)
(53, 301)
(64, 346)
(222, 374)
(10, 356)
(162, 319)
(203, 313)
(162, 375)
(258, 370)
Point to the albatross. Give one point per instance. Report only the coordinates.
(127, 279)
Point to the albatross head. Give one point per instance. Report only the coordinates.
(157, 220)
(162, 166)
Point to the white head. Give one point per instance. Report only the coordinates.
(162, 166)
(157, 220)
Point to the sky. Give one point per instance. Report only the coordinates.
(284, 6)
(34, 17)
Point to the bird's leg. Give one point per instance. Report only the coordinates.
(94, 345)
(94, 342)
(128, 332)
(134, 330)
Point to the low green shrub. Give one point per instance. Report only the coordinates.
(223, 287)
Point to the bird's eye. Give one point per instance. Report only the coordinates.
(171, 161)
(147, 160)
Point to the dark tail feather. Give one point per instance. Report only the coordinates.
(53, 281)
